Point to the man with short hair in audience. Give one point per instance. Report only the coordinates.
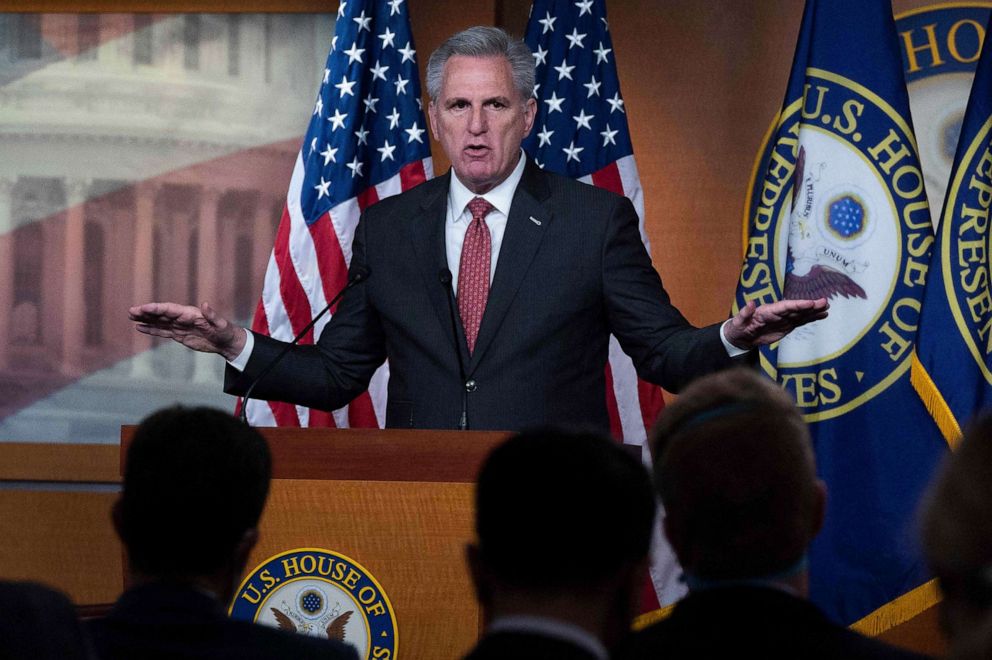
(564, 524)
(195, 484)
(957, 541)
(735, 470)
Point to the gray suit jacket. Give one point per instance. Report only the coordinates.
(572, 269)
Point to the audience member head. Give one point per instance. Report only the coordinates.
(38, 623)
(195, 483)
(957, 540)
(564, 524)
(735, 470)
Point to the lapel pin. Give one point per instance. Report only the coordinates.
(535, 221)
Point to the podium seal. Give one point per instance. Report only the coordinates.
(317, 592)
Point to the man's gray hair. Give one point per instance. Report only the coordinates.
(482, 41)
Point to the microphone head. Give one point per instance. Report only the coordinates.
(359, 273)
(445, 277)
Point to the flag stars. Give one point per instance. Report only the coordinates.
(344, 3)
(355, 166)
(327, 76)
(313, 146)
(414, 132)
(572, 152)
(370, 102)
(601, 53)
(394, 6)
(540, 57)
(363, 22)
(386, 151)
(401, 83)
(387, 38)
(345, 86)
(575, 39)
(564, 71)
(394, 119)
(593, 86)
(318, 108)
(407, 53)
(582, 120)
(548, 22)
(322, 188)
(378, 71)
(362, 135)
(337, 119)
(329, 155)
(585, 7)
(554, 103)
(616, 103)
(608, 136)
(544, 136)
(354, 54)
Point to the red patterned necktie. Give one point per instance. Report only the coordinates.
(473, 271)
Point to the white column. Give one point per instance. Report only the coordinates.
(141, 365)
(6, 267)
(73, 292)
(207, 268)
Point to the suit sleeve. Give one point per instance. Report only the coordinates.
(331, 373)
(665, 348)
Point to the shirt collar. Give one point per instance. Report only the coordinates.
(500, 197)
(548, 627)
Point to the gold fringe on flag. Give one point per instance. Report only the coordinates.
(900, 610)
(642, 621)
(934, 402)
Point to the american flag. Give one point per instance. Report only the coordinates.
(367, 139)
(581, 132)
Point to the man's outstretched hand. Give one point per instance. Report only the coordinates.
(199, 328)
(755, 325)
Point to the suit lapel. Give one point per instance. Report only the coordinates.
(525, 227)
(427, 237)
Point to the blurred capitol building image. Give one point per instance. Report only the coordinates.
(146, 157)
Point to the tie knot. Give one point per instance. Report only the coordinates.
(479, 208)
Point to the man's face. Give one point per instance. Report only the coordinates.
(480, 119)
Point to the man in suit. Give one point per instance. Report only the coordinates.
(195, 484)
(545, 269)
(563, 524)
(735, 471)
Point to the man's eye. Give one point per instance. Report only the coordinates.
(459, 105)
(497, 105)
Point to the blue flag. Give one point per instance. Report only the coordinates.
(953, 369)
(838, 211)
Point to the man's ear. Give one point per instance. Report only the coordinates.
(432, 117)
(481, 580)
(117, 517)
(819, 507)
(245, 545)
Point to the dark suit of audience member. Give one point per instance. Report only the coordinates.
(195, 484)
(734, 467)
(38, 623)
(957, 541)
(564, 523)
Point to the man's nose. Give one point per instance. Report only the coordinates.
(477, 121)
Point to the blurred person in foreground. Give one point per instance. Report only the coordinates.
(735, 471)
(563, 524)
(957, 541)
(195, 484)
(39, 623)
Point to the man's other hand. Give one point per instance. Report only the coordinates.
(199, 328)
(755, 325)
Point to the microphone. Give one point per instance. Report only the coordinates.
(359, 273)
(445, 277)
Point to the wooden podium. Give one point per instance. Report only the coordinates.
(397, 502)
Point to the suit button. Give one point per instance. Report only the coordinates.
(470, 386)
